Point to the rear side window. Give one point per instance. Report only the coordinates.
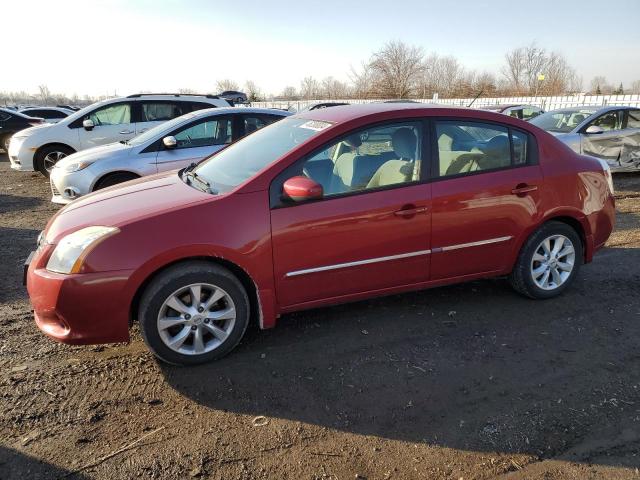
(256, 122)
(160, 111)
(633, 119)
(473, 147)
(4, 116)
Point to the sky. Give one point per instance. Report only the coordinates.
(120, 47)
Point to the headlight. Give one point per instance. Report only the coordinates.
(75, 166)
(70, 253)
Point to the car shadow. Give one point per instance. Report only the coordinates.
(16, 245)
(12, 203)
(472, 366)
(15, 465)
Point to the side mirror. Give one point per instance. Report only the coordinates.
(170, 141)
(594, 129)
(300, 189)
(88, 124)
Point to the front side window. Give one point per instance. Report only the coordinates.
(4, 116)
(111, 115)
(160, 111)
(609, 121)
(633, 118)
(206, 133)
(372, 158)
(470, 147)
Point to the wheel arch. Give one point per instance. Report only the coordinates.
(52, 144)
(110, 173)
(255, 308)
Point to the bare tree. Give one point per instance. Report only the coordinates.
(289, 93)
(309, 88)
(226, 84)
(397, 69)
(45, 94)
(333, 89)
(361, 81)
(635, 87)
(253, 91)
(600, 86)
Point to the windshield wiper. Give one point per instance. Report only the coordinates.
(189, 174)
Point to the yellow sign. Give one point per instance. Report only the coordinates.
(540, 77)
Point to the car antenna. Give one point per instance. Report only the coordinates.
(476, 97)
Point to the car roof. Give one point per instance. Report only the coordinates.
(346, 113)
(237, 111)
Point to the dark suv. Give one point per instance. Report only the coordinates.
(233, 96)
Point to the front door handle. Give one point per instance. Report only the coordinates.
(522, 189)
(125, 132)
(409, 211)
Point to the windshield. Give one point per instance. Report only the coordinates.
(562, 121)
(158, 129)
(240, 161)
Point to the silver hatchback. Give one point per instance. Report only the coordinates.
(171, 145)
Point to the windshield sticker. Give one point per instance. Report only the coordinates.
(315, 125)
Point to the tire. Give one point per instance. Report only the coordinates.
(48, 156)
(185, 323)
(114, 179)
(532, 267)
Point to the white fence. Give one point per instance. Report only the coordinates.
(546, 103)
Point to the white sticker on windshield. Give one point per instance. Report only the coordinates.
(315, 125)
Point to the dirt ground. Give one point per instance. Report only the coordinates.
(469, 381)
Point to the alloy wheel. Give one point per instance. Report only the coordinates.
(52, 158)
(552, 262)
(196, 319)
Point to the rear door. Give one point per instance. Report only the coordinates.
(484, 197)
(112, 123)
(369, 232)
(195, 141)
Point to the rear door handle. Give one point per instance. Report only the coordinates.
(522, 189)
(410, 211)
(125, 132)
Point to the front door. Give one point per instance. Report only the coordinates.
(369, 232)
(195, 141)
(112, 123)
(608, 144)
(483, 197)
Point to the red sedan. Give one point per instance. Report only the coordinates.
(323, 207)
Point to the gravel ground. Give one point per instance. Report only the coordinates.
(469, 381)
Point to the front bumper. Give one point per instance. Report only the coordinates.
(79, 309)
(21, 158)
(67, 186)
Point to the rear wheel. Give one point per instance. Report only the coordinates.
(114, 179)
(548, 262)
(193, 312)
(47, 157)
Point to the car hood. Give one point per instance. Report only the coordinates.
(123, 204)
(96, 153)
(31, 130)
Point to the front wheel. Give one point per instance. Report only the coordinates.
(46, 158)
(548, 262)
(193, 312)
